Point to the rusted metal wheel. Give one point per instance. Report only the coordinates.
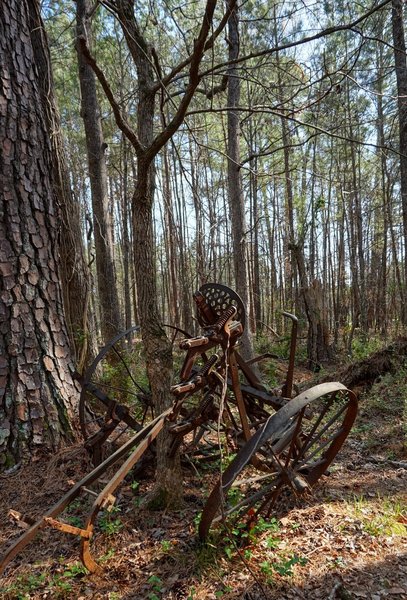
(115, 399)
(291, 450)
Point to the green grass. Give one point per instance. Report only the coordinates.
(387, 400)
(381, 517)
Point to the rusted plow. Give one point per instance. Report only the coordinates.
(280, 443)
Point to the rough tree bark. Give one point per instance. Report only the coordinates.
(235, 192)
(401, 78)
(74, 271)
(37, 396)
(110, 321)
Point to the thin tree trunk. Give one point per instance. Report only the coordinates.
(171, 249)
(318, 348)
(126, 248)
(235, 193)
(401, 78)
(110, 320)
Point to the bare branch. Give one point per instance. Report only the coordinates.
(278, 113)
(209, 44)
(200, 46)
(325, 32)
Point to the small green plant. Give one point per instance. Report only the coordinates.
(339, 563)
(263, 525)
(74, 520)
(267, 570)
(134, 486)
(223, 591)
(74, 511)
(166, 546)
(108, 555)
(272, 542)
(243, 534)
(111, 526)
(108, 523)
(227, 459)
(229, 551)
(285, 567)
(24, 586)
(197, 520)
(156, 587)
(234, 496)
(74, 570)
(191, 594)
(61, 586)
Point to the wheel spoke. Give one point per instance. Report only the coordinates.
(297, 451)
(118, 354)
(323, 412)
(310, 441)
(247, 502)
(97, 419)
(318, 449)
(115, 388)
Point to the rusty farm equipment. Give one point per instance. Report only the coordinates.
(279, 442)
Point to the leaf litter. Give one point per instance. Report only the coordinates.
(346, 540)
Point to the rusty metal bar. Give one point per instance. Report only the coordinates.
(110, 487)
(29, 535)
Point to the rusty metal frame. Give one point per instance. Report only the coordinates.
(48, 519)
(222, 326)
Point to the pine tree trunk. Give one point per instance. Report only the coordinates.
(110, 321)
(37, 396)
(74, 270)
(235, 192)
(401, 78)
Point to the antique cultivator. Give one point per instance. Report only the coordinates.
(278, 442)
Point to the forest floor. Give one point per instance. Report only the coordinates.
(348, 540)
